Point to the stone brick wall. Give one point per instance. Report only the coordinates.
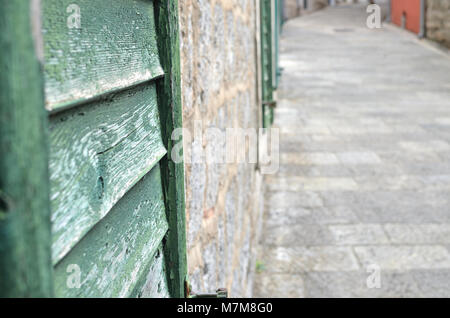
(438, 21)
(292, 8)
(220, 89)
(317, 4)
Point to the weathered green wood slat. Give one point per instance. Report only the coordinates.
(98, 152)
(25, 260)
(115, 255)
(278, 17)
(266, 60)
(154, 284)
(113, 48)
(169, 102)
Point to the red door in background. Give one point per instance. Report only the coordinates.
(406, 13)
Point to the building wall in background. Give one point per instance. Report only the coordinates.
(219, 63)
(317, 4)
(294, 8)
(438, 21)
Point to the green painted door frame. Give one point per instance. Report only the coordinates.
(26, 268)
(277, 33)
(169, 100)
(25, 231)
(271, 22)
(267, 62)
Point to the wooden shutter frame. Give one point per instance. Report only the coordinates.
(267, 61)
(25, 229)
(169, 101)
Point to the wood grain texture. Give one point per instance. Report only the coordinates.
(116, 254)
(114, 48)
(98, 152)
(169, 101)
(154, 284)
(25, 259)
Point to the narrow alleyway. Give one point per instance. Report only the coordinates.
(364, 181)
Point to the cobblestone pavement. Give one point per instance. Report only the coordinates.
(364, 182)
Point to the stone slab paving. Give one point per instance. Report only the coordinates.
(364, 181)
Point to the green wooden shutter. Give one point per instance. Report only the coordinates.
(25, 267)
(277, 34)
(113, 96)
(268, 65)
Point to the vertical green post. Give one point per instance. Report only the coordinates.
(277, 33)
(169, 101)
(25, 230)
(267, 62)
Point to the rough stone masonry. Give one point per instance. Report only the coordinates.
(219, 41)
(438, 21)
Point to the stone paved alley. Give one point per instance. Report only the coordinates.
(364, 181)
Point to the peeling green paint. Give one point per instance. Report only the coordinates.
(113, 48)
(97, 153)
(154, 284)
(108, 140)
(169, 101)
(114, 256)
